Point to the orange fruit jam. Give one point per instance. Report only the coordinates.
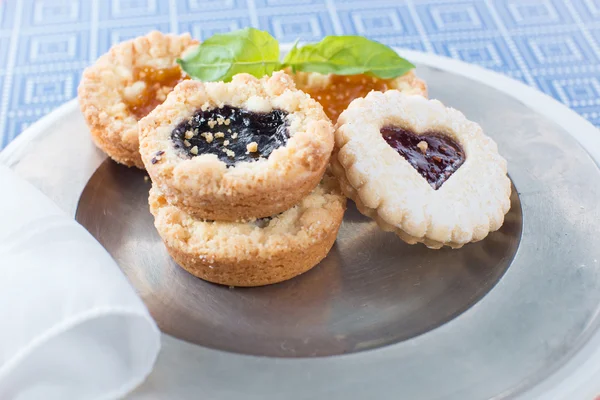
(159, 81)
(341, 90)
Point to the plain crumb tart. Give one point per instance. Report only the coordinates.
(236, 151)
(124, 85)
(258, 252)
(421, 170)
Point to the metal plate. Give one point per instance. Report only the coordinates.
(533, 321)
(372, 289)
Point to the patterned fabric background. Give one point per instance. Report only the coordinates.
(553, 45)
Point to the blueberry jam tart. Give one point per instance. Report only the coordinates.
(420, 169)
(124, 85)
(232, 134)
(236, 151)
(253, 253)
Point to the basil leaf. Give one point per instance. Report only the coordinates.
(348, 55)
(222, 56)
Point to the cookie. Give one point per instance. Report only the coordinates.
(335, 92)
(420, 169)
(236, 151)
(255, 253)
(124, 85)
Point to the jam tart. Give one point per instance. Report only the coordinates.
(124, 85)
(236, 151)
(253, 253)
(420, 169)
(335, 92)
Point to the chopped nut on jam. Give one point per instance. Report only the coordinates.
(218, 135)
(208, 136)
(189, 134)
(194, 150)
(252, 147)
(226, 143)
(212, 123)
(230, 153)
(186, 143)
(422, 145)
(234, 135)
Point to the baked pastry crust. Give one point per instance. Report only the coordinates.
(385, 187)
(246, 254)
(203, 185)
(106, 85)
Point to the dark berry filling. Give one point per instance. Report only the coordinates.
(434, 155)
(157, 156)
(233, 134)
(263, 222)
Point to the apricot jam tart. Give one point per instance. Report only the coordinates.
(124, 85)
(336, 92)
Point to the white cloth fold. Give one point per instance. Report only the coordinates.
(71, 326)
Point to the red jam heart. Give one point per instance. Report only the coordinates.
(434, 155)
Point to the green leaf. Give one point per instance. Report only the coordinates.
(222, 56)
(348, 55)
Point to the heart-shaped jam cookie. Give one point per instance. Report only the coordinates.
(421, 170)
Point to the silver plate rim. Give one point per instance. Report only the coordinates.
(582, 368)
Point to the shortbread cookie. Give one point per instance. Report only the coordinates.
(421, 170)
(335, 92)
(260, 252)
(126, 84)
(236, 151)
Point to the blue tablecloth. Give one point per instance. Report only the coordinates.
(553, 45)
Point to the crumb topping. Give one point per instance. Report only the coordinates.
(252, 147)
(208, 136)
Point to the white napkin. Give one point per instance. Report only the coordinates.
(71, 326)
